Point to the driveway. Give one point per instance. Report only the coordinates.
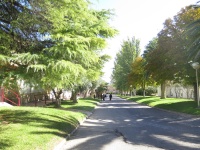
(124, 125)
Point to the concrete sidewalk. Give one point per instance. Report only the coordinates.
(4, 104)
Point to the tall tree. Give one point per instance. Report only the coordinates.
(160, 63)
(64, 41)
(192, 31)
(139, 77)
(170, 59)
(129, 51)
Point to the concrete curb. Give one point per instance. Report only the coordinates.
(61, 144)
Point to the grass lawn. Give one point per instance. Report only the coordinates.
(31, 128)
(174, 104)
(83, 104)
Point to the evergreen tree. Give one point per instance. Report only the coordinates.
(53, 43)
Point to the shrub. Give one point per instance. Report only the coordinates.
(149, 91)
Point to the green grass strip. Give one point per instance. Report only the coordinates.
(174, 104)
(31, 128)
(83, 104)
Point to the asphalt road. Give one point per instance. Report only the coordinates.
(124, 125)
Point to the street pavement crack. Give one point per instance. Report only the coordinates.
(118, 133)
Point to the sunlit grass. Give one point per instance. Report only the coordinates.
(87, 104)
(123, 96)
(31, 128)
(175, 104)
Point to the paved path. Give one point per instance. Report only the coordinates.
(123, 125)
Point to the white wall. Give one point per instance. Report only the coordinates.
(178, 91)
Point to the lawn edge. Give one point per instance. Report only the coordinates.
(167, 110)
(61, 144)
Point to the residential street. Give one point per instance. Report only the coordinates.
(124, 125)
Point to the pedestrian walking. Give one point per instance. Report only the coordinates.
(110, 96)
(103, 97)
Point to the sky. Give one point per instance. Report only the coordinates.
(142, 19)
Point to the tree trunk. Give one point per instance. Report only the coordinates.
(144, 88)
(163, 90)
(93, 93)
(195, 91)
(134, 91)
(74, 96)
(144, 93)
(57, 96)
(86, 93)
(58, 103)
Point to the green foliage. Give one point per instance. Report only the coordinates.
(167, 58)
(59, 41)
(102, 88)
(192, 31)
(150, 47)
(139, 77)
(3, 59)
(122, 67)
(149, 91)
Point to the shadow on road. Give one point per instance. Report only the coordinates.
(128, 125)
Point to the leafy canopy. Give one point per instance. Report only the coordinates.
(57, 41)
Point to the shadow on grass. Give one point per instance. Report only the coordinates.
(139, 98)
(5, 143)
(64, 126)
(16, 116)
(173, 104)
(83, 104)
(189, 107)
(145, 100)
(42, 124)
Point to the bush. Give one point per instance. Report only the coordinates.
(139, 92)
(148, 92)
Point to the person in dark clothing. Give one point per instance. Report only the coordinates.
(110, 96)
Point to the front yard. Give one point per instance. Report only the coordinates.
(31, 128)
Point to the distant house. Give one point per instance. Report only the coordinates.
(178, 91)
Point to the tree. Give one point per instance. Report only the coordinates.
(169, 60)
(139, 77)
(136, 76)
(102, 88)
(181, 53)
(150, 47)
(192, 31)
(64, 42)
(190, 17)
(160, 63)
(122, 67)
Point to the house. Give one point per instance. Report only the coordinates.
(178, 91)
